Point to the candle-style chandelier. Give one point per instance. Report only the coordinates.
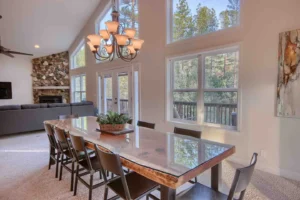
(115, 42)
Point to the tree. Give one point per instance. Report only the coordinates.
(225, 21)
(80, 58)
(234, 11)
(129, 13)
(206, 20)
(183, 21)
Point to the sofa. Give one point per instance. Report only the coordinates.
(30, 117)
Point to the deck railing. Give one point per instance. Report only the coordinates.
(224, 114)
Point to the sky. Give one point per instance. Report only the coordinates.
(218, 5)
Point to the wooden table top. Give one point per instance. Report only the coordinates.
(167, 158)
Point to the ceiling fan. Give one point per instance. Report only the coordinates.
(8, 52)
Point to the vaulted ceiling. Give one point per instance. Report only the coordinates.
(52, 24)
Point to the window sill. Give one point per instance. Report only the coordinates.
(77, 68)
(195, 125)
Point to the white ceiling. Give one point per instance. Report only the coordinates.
(52, 24)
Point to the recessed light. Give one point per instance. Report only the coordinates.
(37, 46)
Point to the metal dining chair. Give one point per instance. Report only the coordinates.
(239, 185)
(192, 133)
(68, 116)
(91, 165)
(146, 124)
(130, 186)
(66, 154)
(54, 153)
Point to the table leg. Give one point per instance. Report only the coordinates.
(167, 193)
(216, 176)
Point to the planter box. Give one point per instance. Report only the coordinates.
(112, 127)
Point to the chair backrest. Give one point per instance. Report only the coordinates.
(79, 149)
(242, 179)
(62, 141)
(50, 134)
(68, 116)
(146, 124)
(192, 133)
(112, 162)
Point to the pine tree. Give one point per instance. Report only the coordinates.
(129, 13)
(206, 20)
(225, 21)
(183, 21)
(234, 11)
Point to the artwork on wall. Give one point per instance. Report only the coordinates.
(288, 86)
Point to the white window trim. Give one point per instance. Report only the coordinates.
(200, 112)
(79, 46)
(73, 86)
(169, 22)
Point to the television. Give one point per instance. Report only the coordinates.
(5, 90)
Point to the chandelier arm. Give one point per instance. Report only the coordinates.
(99, 55)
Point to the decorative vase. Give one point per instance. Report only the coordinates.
(112, 127)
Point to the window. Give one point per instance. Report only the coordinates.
(78, 57)
(196, 17)
(204, 88)
(79, 88)
(129, 14)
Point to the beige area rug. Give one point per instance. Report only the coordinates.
(25, 176)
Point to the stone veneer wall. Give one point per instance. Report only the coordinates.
(53, 71)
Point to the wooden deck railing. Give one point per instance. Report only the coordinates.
(224, 114)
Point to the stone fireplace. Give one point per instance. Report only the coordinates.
(50, 78)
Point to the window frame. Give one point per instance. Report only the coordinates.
(201, 88)
(170, 24)
(74, 87)
(78, 48)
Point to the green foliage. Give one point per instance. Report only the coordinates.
(206, 20)
(183, 21)
(129, 14)
(80, 58)
(112, 118)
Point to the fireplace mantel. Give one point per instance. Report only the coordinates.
(51, 88)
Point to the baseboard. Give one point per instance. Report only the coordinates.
(273, 170)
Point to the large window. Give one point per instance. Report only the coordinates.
(78, 57)
(204, 88)
(79, 88)
(197, 17)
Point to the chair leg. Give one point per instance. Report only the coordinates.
(57, 163)
(72, 176)
(91, 186)
(100, 174)
(196, 179)
(61, 166)
(76, 180)
(49, 165)
(105, 193)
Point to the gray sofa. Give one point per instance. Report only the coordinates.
(30, 117)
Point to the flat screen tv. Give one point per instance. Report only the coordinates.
(5, 90)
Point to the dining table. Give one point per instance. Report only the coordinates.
(167, 158)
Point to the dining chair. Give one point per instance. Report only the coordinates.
(68, 116)
(54, 153)
(146, 124)
(239, 185)
(129, 186)
(90, 164)
(66, 154)
(192, 133)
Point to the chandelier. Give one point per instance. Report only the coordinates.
(115, 41)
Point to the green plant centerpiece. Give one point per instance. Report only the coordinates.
(112, 121)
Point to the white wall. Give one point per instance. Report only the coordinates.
(261, 23)
(18, 71)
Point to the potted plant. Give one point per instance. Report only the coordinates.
(112, 121)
